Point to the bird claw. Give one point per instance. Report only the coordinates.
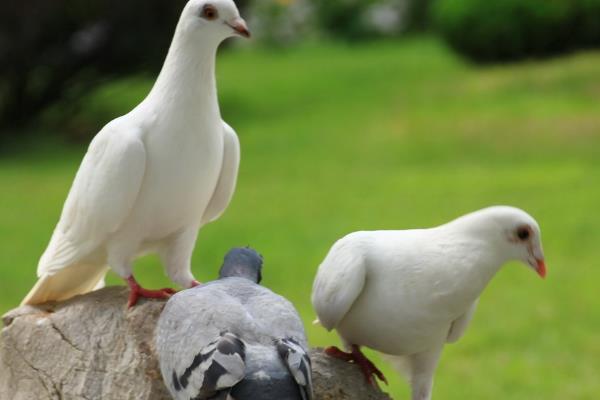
(170, 291)
(369, 370)
(137, 291)
(134, 295)
(335, 352)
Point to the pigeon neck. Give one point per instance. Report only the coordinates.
(483, 241)
(478, 227)
(187, 77)
(475, 261)
(239, 271)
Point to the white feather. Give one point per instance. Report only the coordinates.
(102, 196)
(459, 325)
(339, 281)
(227, 178)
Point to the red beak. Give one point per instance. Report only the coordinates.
(240, 27)
(541, 268)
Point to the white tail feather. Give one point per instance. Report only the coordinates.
(66, 283)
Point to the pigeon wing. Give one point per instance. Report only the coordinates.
(339, 281)
(216, 368)
(459, 325)
(228, 177)
(298, 363)
(102, 196)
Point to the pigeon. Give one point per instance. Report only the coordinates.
(233, 339)
(153, 177)
(407, 293)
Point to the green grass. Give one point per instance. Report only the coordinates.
(387, 136)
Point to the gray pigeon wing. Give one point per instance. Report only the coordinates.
(216, 368)
(197, 336)
(298, 363)
(273, 315)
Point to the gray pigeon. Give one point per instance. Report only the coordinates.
(232, 339)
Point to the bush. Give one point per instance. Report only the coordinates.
(281, 23)
(588, 23)
(417, 15)
(343, 18)
(486, 30)
(361, 19)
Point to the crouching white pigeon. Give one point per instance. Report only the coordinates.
(407, 293)
(233, 339)
(153, 177)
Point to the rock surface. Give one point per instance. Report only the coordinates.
(93, 347)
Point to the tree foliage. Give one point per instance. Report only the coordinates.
(514, 29)
(53, 50)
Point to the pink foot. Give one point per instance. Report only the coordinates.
(195, 283)
(370, 371)
(137, 291)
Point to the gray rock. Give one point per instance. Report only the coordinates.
(93, 347)
(334, 379)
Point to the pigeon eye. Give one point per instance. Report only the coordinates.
(209, 12)
(523, 233)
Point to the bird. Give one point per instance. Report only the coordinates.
(406, 293)
(153, 177)
(233, 339)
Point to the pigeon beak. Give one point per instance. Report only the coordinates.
(540, 267)
(239, 27)
(536, 260)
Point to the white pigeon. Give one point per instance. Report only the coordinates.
(152, 177)
(407, 293)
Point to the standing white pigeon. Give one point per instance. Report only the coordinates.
(153, 177)
(408, 293)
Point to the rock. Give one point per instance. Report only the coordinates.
(93, 347)
(88, 347)
(338, 380)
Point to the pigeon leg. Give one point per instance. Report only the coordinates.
(137, 291)
(357, 357)
(177, 257)
(422, 369)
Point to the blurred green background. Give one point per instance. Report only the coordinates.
(358, 124)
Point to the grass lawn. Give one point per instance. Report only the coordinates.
(387, 136)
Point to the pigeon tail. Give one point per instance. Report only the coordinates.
(298, 363)
(66, 283)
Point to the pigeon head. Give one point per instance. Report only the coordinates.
(217, 19)
(524, 238)
(242, 262)
(518, 232)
